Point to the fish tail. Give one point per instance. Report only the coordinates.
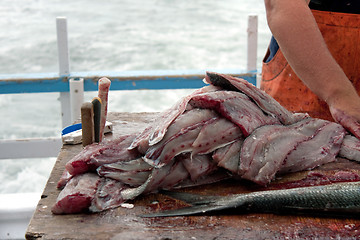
(190, 198)
(201, 204)
(193, 210)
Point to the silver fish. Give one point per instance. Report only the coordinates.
(341, 198)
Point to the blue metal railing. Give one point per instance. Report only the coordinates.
(127, 80)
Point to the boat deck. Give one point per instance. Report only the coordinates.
(124, 223)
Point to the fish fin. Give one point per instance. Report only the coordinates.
(193, 210)
(219, 81)
(193, 199)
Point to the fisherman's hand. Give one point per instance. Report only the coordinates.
(346, 111)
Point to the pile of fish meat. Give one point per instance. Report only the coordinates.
(229, 128)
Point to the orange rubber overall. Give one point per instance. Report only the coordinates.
(341, 32)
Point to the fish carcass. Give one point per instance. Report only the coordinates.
(227, 129)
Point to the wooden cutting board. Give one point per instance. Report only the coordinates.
(124, 223)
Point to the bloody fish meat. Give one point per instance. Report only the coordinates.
(229, 127)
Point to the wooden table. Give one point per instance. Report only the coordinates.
(123, 223)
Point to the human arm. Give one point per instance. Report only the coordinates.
(302, 44)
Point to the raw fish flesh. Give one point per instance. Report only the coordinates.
(236, 107)
(229, 129)
(156, 131)
(300, 146)
(179, 137)
(95, 155)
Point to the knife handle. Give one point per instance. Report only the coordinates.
(96, 102)
(87, 123)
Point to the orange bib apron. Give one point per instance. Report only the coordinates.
(341, 32)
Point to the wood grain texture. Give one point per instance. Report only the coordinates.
(123, 223)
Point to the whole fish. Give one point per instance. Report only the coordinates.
(343, 198)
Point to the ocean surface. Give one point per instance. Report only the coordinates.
(111, 35)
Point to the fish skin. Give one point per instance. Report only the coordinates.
(333, 198)
(262, 99)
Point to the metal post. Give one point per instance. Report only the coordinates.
(64, 67)
(252, 40)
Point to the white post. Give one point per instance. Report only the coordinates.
(63, 49)
(76, 97)
(64, 67)
(65, 109)
(252, 40)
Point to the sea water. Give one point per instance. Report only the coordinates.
(116, 35)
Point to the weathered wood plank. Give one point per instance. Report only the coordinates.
(122, 223)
